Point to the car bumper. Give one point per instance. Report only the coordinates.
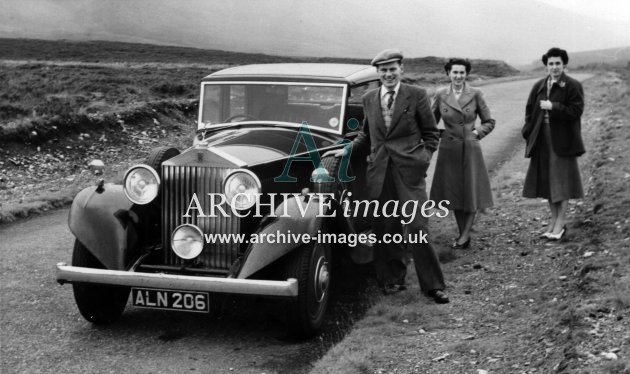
(76, 274)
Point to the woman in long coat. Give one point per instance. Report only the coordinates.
(460, 175)
(553, 132)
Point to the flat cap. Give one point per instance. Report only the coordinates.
(387, 56)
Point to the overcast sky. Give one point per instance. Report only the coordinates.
(611, 10)
(517, 31)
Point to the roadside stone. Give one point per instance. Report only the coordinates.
(609, 356)
(442, 357)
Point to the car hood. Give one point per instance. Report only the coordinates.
(260, 145)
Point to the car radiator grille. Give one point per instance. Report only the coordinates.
(179, 183)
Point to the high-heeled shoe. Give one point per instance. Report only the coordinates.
(544, 235)
(558, 236)
(464, 245)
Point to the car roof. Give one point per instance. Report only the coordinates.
(312, 72)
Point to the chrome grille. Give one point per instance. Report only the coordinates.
(179, 183)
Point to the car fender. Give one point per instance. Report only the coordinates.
(101, 221)
(289, 220)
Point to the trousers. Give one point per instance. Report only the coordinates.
(391, 259)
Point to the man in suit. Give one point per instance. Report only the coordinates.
(400, 135)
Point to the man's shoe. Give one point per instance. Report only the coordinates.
(438, 296)
(391, 289)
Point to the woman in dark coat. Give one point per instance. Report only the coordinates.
(460, 172)
(553, 133)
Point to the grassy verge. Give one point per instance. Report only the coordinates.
(43, 101)
(521, 304)
(47, 172)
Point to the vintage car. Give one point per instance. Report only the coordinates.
(179, 229)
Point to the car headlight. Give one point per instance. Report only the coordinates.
(141, 184)
(187, 241)
(241, 189)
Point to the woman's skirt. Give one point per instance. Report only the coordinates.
(550, 176)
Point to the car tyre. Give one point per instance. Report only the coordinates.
(99, 304)
(158, 156)
(310, 265)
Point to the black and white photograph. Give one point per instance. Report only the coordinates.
(315, 187)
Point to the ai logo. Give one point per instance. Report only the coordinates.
(304, 135)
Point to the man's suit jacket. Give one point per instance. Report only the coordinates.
(406, 146)
(567, 98)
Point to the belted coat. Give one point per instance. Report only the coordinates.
(460, 175)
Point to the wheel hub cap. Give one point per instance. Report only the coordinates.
(322, 279)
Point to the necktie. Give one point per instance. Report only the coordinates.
(390, 100)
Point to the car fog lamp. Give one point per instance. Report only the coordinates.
(141, 184)
(187, 241)
(241, 189)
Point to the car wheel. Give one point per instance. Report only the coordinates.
(310, 265)
(99, 304)
(158, 156)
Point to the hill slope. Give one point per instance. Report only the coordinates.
(104, 51)
(78, 85)
(611, 56)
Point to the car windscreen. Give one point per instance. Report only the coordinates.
(319, 105)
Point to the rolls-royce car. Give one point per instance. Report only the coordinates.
(250, 208)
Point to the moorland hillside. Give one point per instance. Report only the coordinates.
(66, 87)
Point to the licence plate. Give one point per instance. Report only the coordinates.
(187, 301)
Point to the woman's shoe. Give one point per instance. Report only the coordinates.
(558, 236)
(544, 235)
(464, 245)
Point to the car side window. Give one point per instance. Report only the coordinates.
(356, 92)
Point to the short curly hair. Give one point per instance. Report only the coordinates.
(457, 61)
(556, 52)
